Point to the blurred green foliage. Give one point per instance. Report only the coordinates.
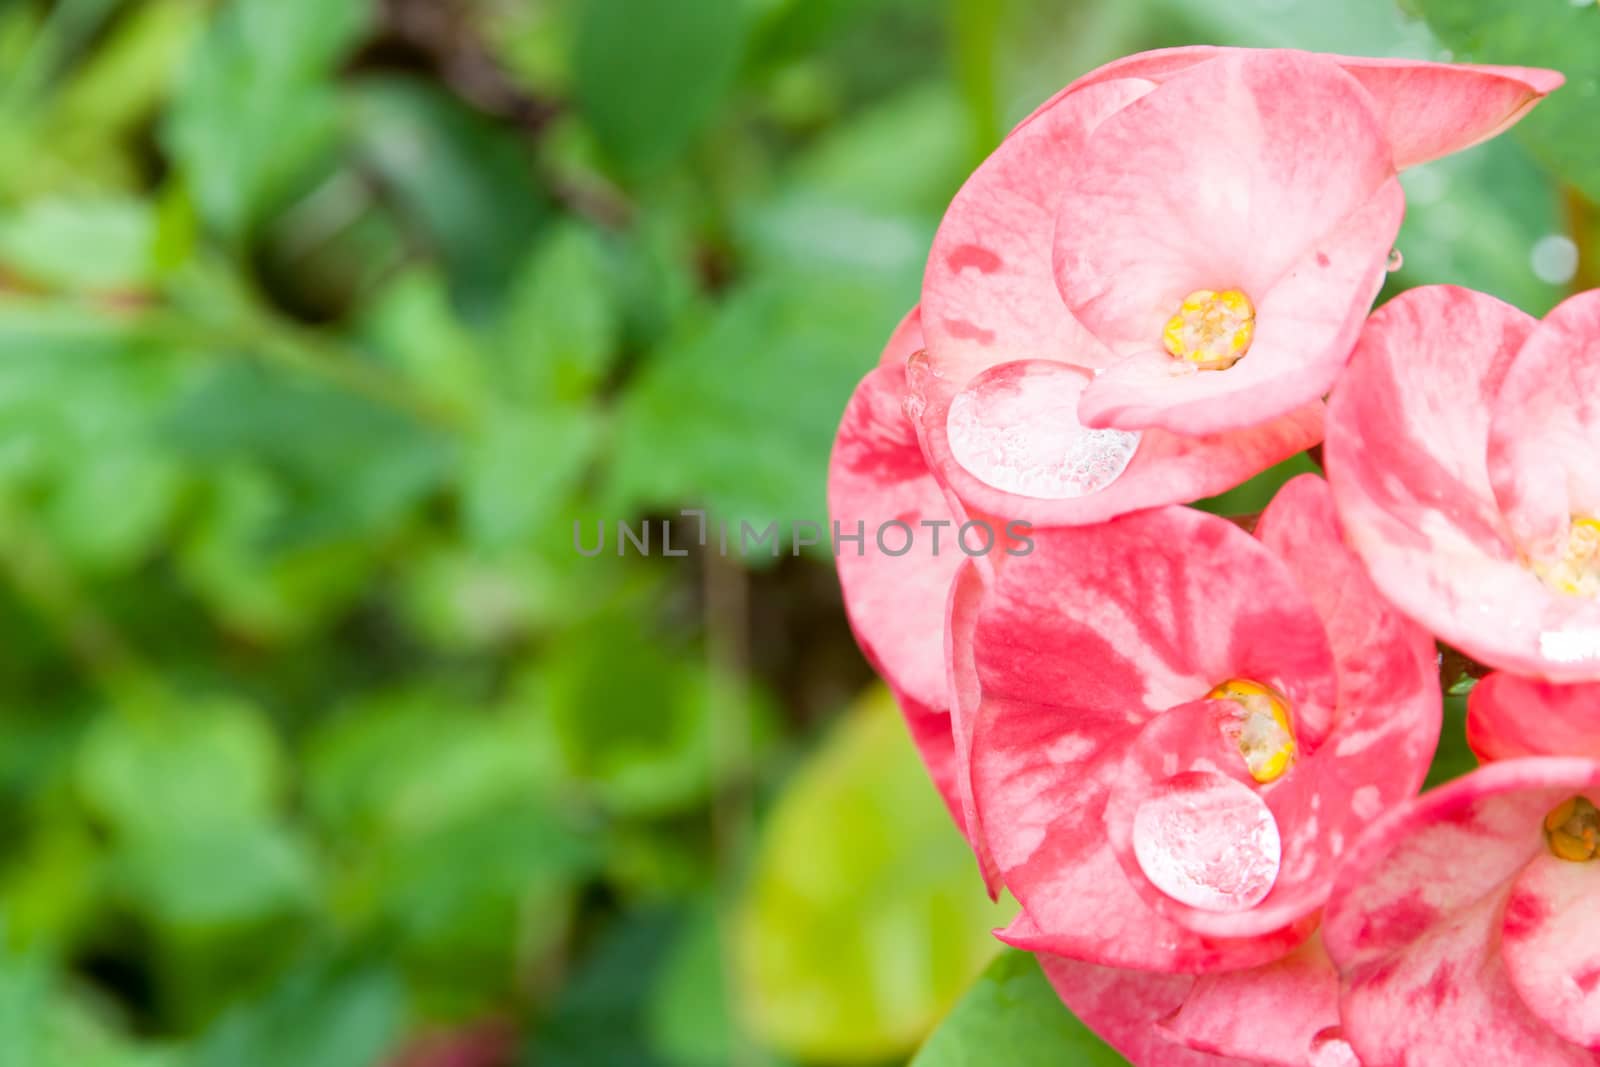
(320, 323)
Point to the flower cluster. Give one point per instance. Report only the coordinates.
(1191, 747)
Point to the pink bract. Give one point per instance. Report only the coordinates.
(896, 604)
(1282, 1014)
(1510, 716)
(1070, 247)
(1113, 798)
(1460, 450)
(1461, 936)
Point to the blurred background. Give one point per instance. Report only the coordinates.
(322, 321)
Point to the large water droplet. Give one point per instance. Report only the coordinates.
(1396, 261)
(1208, 841)
(1016, 427)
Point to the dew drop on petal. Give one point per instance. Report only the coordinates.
(1330, 1049)
(1208, 841)
(1396, 261)
(1016, 428)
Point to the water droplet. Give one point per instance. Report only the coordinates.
(1015, 427)
(1208, 841)
(1330, 1049)
(1554, 259)
(913, 405)
(1396, 261)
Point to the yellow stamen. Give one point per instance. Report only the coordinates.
(1573, 829)
(1261, 727)
(1211, 330)
(1577, 571)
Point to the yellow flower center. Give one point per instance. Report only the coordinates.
(1577, 571)
(1573, 828)
(1211, 330)
(1260, 726)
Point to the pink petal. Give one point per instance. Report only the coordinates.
(1325, 295)
(1428, 110)
(1387, 675)
(1407, 440)
(1227, 176)
(1070, 659)
(1415, 918)
(1433, 109)
(1545, 431)
(1018, 429)
(966, 699)
(1123, 1006)
(988, 293)
(876, 475)
(1510, 716)
(1284, 1013)
(1156, 65)
(1446, 1002)
(1551, 945)
(1376, 752)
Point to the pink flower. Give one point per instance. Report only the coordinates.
(1464, 925)
(1282, 1014)
(1140, 296)
(1174, 730)
(1509, 716)
(1461, 447)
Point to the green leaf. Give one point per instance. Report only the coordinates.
(650, 752)
(256, 108)
(234, 558)
(865, 916)
(45, 1027)
(352, 466)
(81, 399)
(649, 76)
(1454, 756)
(1255, 494)
(559, 333)
(520, 468)
(200, 766)
(1356, 27)
(1474, 219)
(740, 415)
(125, 78)
(215, 876)
(82, 244)
(687, 1012)
(402, 763)
(1543, 33)
(411, 327)
(465, 187)
(850, 203)
(1012, 1016)
(311, 1019)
